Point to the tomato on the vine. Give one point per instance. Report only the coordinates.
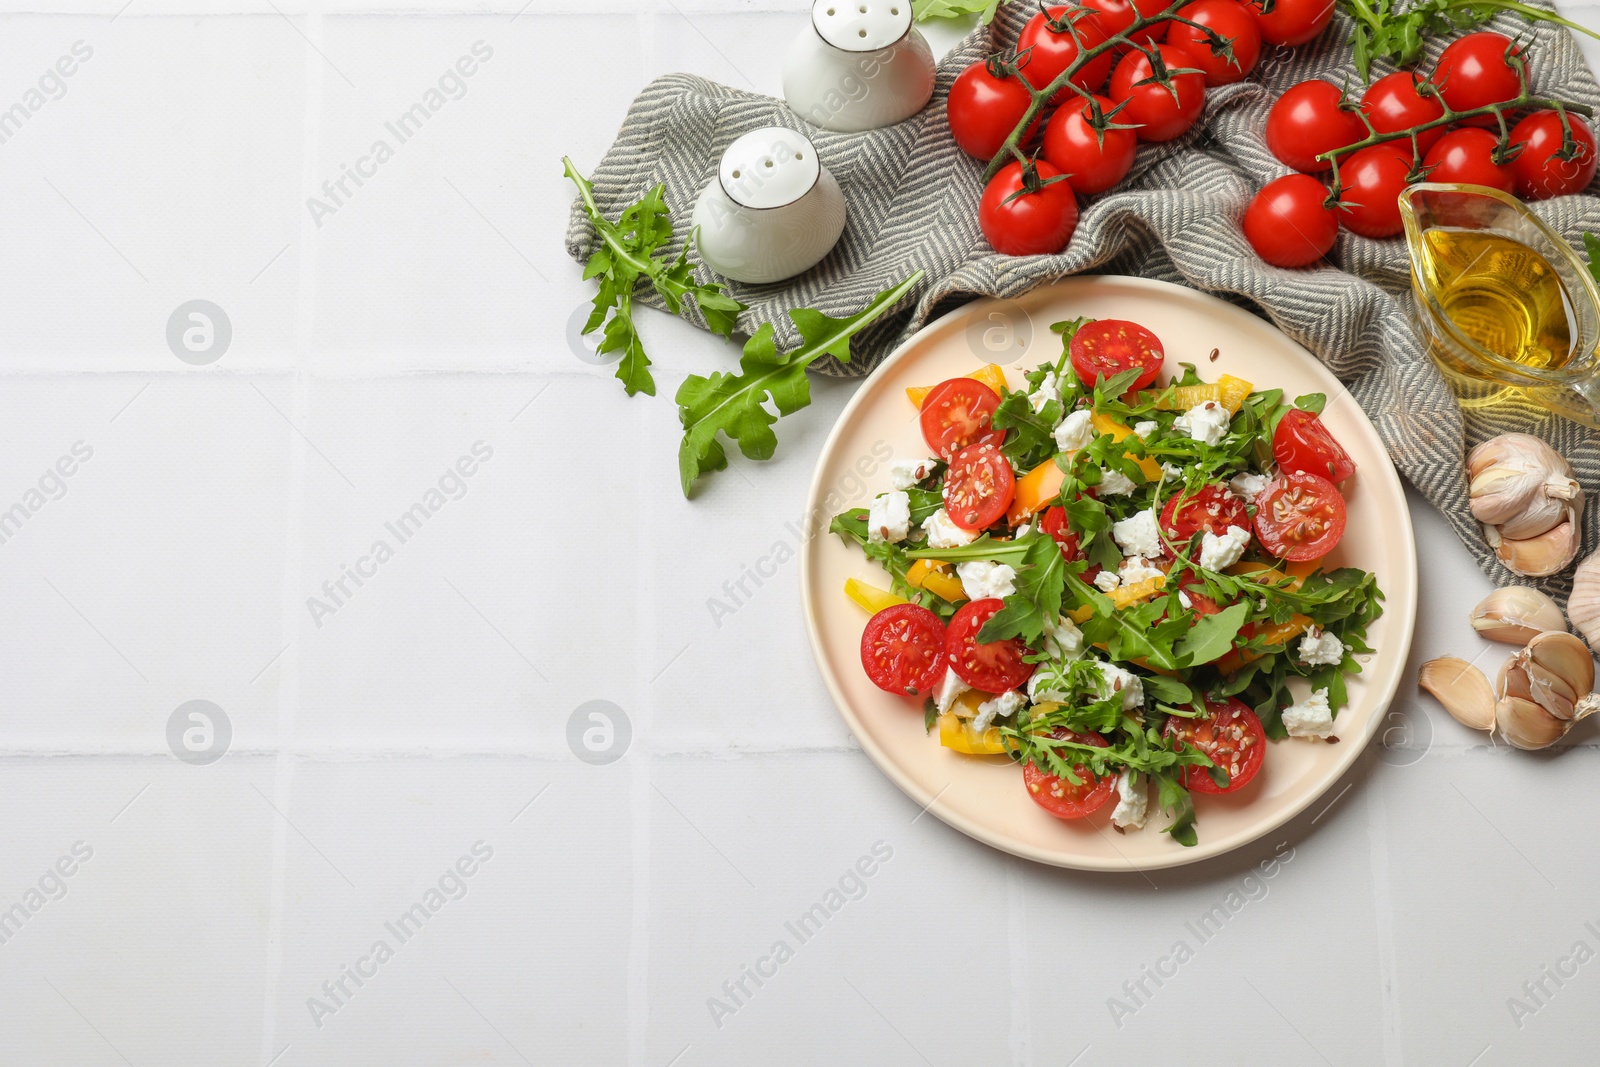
(1467, 157)
(1048, 44)
(1392, 103)
(1059, 796)
(956, 413)
(1093, 161)
(1028, 216)
(1303, 443)
(1300, 516)
(1115, 16)
(1162, 115)
(993, 666)
(1289, 224)
(1371, 181)
(903, 649)
(1106, 347)
(1308, 120)
(1541, 171)
(1293, 22)
(1229, 20)
(1231, 736)
(1474, 71)
(979, 486)
(985, 104)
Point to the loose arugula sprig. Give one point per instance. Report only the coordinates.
(1383, 30)
(950, 9)
(625, 258)
(734, 405)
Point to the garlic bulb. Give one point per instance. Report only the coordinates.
(1462, 689)
(1583, 606)
(1544, 689)
(1523, 492)
(1518, 614)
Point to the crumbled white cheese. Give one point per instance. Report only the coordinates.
(1207, 422)
(1106, 581)
(1115, 483)
(1049, 389)
(944, 533)
(1172, 471)
(1023, 531)
(1183, 598)
(1133, 801)
(1062, 638)
(905, 473)
(889, 517)
(1137, 535)
(1318, 648)
(949, 689)
(1075, 431)
(981, 580)
(1137, 569)
(1113, 680)
(1247, 486)
(1310, 718)
(1048, 682)
(1220, 553)
(1144, 429)
(1008, 703)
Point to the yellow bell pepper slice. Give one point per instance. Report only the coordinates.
(1123, 596)
(1279, 634)
(870, 597)
(932, 575)
(1105, 424)
(1034, 491)
(1227, 390)
(989, 374)
(957, 734)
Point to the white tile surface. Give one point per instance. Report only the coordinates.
(430, 710)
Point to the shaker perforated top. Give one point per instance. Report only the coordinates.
(770, 167)
(861, 25)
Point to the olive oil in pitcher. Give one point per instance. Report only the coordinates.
(1502, 294)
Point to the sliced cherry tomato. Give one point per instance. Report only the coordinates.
(1107, 347)
(1213, 509)
(1160, 113)
(1302, 443)
(1093, 161)
(1287, 223)
(1053, 523)
(1293, 22)
(1467, 157)
(1050, 49)
(1231, 736)
(902, 649)
(1228, 20)
(1060, 797)
(1300, 516)
(1392, 103)
(1372, 180)
(979, 486)
(1020, 218)
(1541, 172)
(1473, 71)
(993, 667)
(957, 413)
(984, 106)
(1307, 120)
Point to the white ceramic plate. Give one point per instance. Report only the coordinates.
(983, 796)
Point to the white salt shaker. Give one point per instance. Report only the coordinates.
(859, 65)
(772, 211)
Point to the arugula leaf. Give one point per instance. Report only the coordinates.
(1312, 402)
(1012, 553)
(949, 9)
(735, 404)
(626, 258)
(1380, 30)
(1034, 439)
(1173, 798)
(1212, 636)
(1037, 601)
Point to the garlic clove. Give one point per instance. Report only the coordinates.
(1567, 658)
(1528, 726)
(1538, 557)
(1462, 689)
(1583, 606)
(1512, 681)
(1518, 614)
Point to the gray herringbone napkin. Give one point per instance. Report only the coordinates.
(912, 198)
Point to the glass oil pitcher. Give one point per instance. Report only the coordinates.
(1502, 301)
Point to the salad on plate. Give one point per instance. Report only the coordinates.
(1114, 581)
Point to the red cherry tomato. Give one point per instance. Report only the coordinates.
(1060, 797)
(1293, 22)
(957, 413)
(1299, 516)
(902, 649)
(1392, 103)
(1287, 223)
(1229, 20)
(1037, 223)
(1372, 180)
(1050, 51)
(1541, 173)
(1306, 121)
(985, 105)
(1303, 443)
(1054, 524)
(992, 667)
(1106, 347)
(1213, 509)
(1466, 157)
(1231, 736)
(979, 486)
(1160, 115)
(1092, 163)
(1473, 71)
(1115, 16)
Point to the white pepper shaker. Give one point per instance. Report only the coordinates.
(860, 65)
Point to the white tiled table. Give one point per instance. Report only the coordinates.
(422, 723)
